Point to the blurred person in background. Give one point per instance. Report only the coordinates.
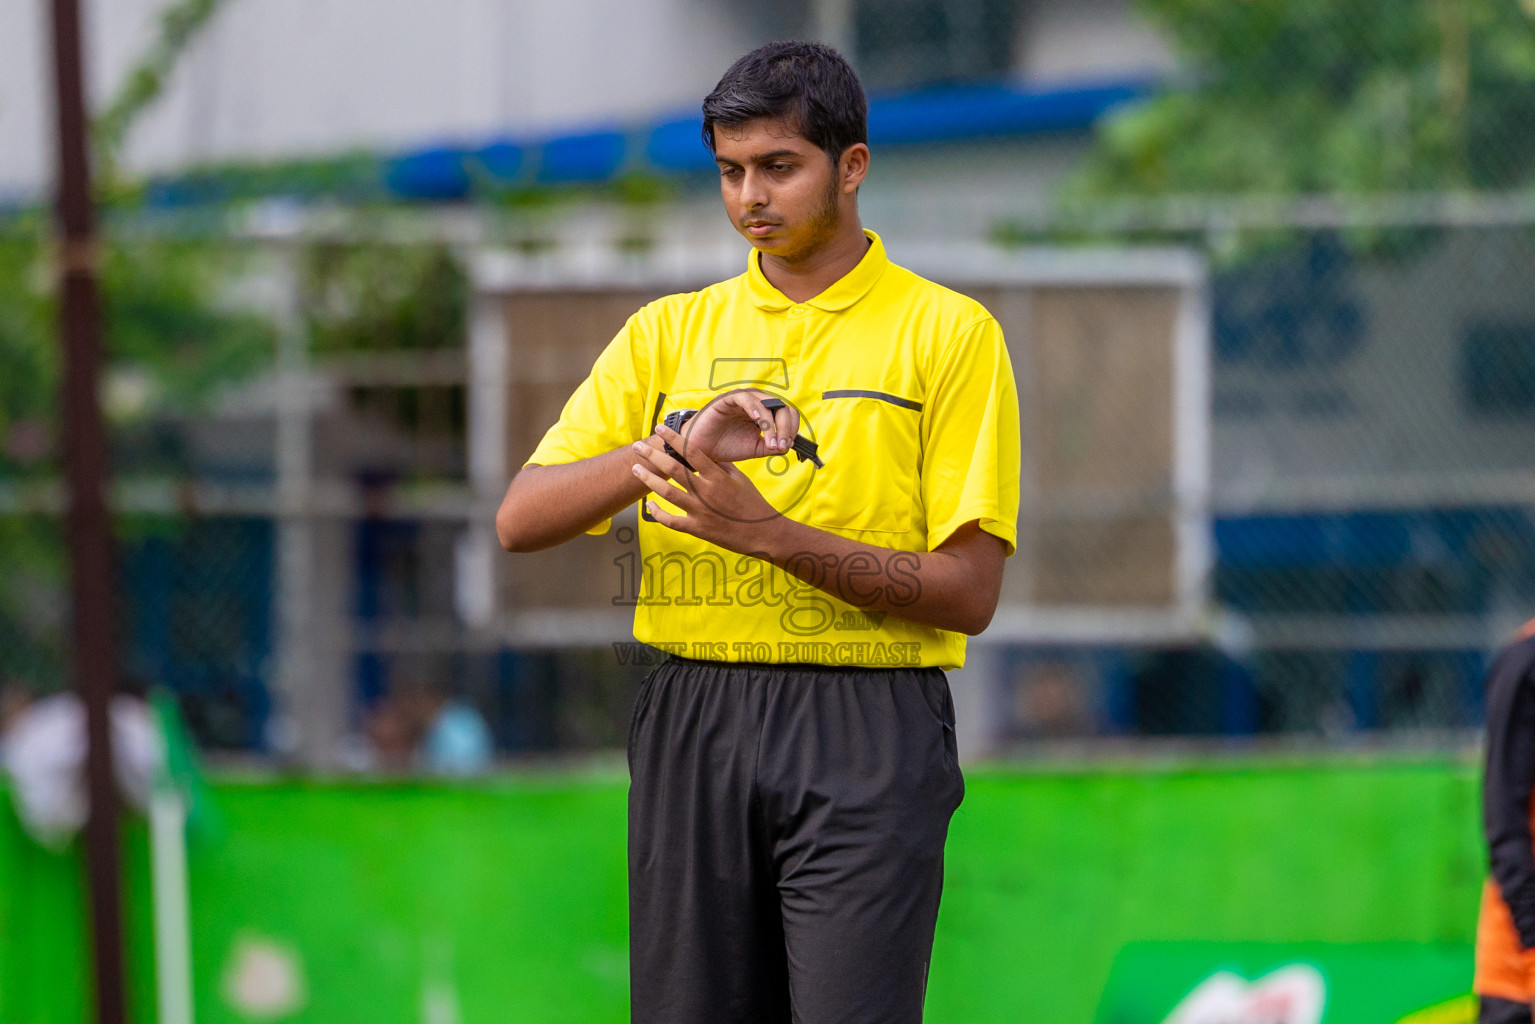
(453, 737)
(1505, 939)
(790, 796)
(385, 740)
(43, 748)
(1051, 701)
(418, 727)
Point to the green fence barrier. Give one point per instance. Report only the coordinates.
(505, 901)
(1049, 875)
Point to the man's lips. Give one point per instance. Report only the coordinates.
(758, 228)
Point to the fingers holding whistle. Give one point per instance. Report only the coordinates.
(785, 425)
(767, 413)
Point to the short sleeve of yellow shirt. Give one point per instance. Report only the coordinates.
(607, 410)
(970, 439)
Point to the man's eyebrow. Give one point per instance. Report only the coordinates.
(759, 158)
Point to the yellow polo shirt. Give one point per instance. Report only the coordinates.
(907, 390)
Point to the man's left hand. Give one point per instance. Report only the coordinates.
(720, 502)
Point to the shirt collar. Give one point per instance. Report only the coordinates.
(848, 289)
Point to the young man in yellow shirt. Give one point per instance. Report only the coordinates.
(827, 450)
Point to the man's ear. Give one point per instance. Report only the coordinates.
(853, 166)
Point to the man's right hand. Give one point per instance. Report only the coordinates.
(736, 426)
(548, 505)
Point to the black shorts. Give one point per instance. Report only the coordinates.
(786, 831)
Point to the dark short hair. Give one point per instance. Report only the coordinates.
(809, 85)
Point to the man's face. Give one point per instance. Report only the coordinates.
(782, 192)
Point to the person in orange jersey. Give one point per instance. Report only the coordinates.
(1505, 934)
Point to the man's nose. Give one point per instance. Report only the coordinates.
(753, 190)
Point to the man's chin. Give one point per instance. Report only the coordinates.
(769, 246)
(785, 249)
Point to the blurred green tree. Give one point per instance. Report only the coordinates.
(1289, 97)
(174, 339)
(361, 298)
(180, 23)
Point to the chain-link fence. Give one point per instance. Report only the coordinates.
(1371, 429)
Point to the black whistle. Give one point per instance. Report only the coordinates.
(806, 450)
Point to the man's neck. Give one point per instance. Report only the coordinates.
(803, 280)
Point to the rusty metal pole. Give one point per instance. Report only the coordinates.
(94, 661)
